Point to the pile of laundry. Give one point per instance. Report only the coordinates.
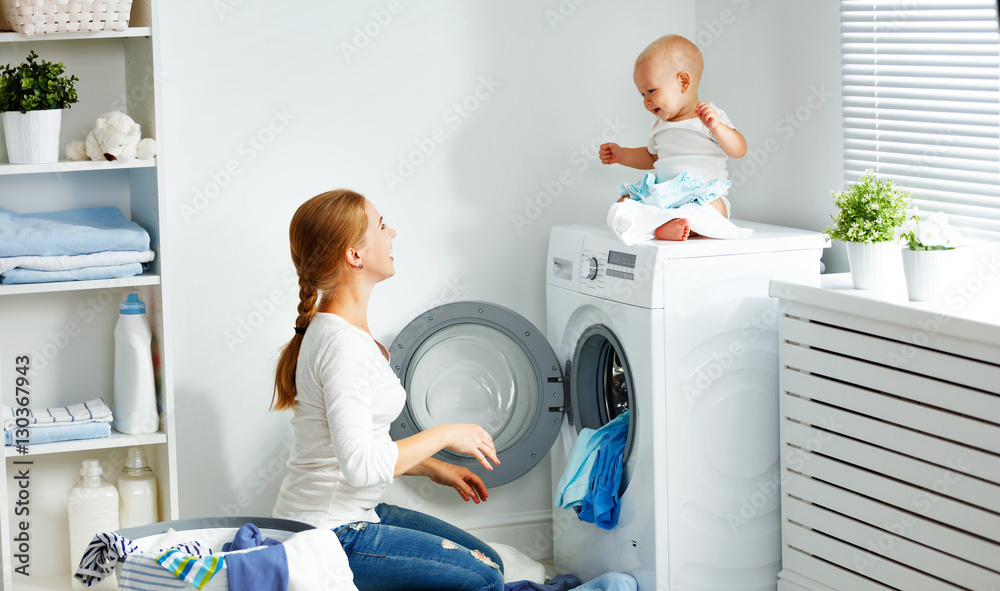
(522, 573)
(86, 420)
(71, 245)
(306, 561)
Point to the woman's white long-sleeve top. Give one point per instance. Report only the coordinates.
(342, 457)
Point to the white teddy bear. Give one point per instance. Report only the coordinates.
(115, 137)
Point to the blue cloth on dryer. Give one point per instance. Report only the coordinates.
(59, 432)
(556, 583)
(18, 276)
(70, 232)
(255, 564)
(575, 482)
(601, 506)
(610, 582)
(675, 192)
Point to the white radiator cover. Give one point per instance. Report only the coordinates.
(890, 443)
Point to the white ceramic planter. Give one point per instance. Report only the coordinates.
(32, 137)
(928, 273)
(873, 264)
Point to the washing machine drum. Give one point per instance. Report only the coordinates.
(475, 362)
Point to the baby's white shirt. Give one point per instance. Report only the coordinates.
(688, 146)
(342, 457)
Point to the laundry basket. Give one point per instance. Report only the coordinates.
(40, 17)
(211, 531)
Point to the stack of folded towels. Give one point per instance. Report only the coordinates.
(87, 420)
(71, 245)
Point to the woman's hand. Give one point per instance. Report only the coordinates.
(469, 438)
(459, 478)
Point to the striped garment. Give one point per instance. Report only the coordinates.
(95, 410)
(195, 570)
(109, 548)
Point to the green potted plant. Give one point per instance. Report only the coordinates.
(928, 255)
(32, 97)
(869, 212)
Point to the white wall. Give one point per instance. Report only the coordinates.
(774, 66)
(263, 109)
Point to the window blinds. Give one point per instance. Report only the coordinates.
(921, 95)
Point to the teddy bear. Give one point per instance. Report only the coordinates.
(115, 137)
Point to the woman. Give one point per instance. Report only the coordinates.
(337, 380)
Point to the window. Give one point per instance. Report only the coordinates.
(921, 91)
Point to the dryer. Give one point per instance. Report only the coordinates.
(682, 335)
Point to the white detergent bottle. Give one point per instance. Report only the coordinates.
(93, 508)
(135, 390)
(137, 491)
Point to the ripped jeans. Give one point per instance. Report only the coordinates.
(411, 551)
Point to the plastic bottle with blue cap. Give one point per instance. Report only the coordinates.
(135, 391)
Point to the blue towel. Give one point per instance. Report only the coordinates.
(248, 536)
(70, 232)
(63, 432)
(675, 192)
(600, 506)
(556, 583)
(265, 569)
(610, 582)
(17, 276)
(575, 482)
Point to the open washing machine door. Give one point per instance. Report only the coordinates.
(475, 362)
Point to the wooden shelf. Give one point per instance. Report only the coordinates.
(136, 281)
(12, 37)
(67, 166)
(115, 440)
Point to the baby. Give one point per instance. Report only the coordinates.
(689, 141)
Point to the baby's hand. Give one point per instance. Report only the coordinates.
(707, 115)
(610, 153)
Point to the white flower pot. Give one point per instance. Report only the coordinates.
(928, 273)
(32, 137)
(873, 265)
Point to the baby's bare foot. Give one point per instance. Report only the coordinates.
(676, 229)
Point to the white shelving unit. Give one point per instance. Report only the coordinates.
(66, 329)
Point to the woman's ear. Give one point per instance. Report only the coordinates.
(684, 80)
(353, 257)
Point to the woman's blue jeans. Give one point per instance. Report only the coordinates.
(410, 551)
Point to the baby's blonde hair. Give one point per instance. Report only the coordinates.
(675, 52)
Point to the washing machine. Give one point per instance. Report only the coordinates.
(683, 336)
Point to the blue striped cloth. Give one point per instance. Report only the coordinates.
(196, 570)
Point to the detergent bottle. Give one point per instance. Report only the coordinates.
(93, 508)
(135, 390)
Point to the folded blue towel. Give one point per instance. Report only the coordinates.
(610, 582)
(16, 276)
(675, 192)
(63, 432)
(70, 232)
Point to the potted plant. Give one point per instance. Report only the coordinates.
(32, 97)
(928, 256)
(869, 212)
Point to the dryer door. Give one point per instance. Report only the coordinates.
(474, 362)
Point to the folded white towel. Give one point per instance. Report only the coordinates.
(79, 261)
(634, 222)
(85, 412)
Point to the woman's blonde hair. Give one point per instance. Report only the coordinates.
(320, 233)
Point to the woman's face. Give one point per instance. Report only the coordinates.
(376, 254)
